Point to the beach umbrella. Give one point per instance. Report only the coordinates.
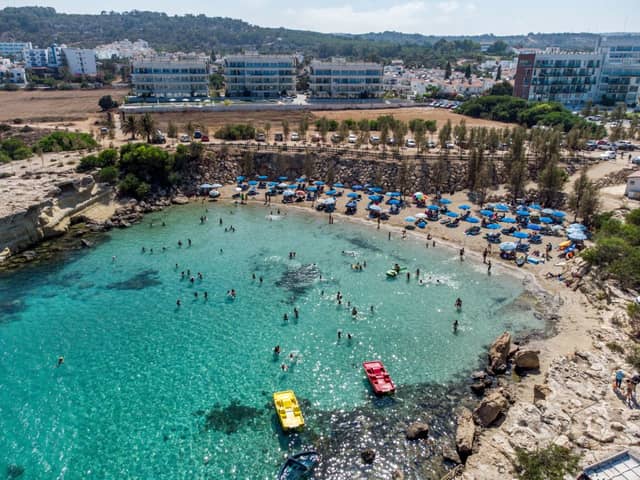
(240, 178)
(288, 193)
(238, 189)
(576, 236)
(262, 177)
(410, 219)
(535, 206)
(501, 207)
(493, 226)
(216, 185)
(272, 184)
(300, 193)
(338, 185)
(375, 189)
(375, 208)
(421, 215)
(312, 189)
(577, 226)
(318, 183)
(559, 214)
(486, 213)
(300, 179)
(509, 220)
(282, 179)
(433, 207)
(418, 194)
(252, 182)
(452, 214)
(329, 201)
(464, 207)
(331, 192)
(375, 198)
(520, 235)
(546, 220)
(351, 204)
(508, 246)
(206, 185)
(472, 220)
(445, 201)
(356, 187)
(352, 195)
(292, 187)
(394, 201)
(522, 213)
(393, 194)
(534, 226)
(282, 185)
(547, 211)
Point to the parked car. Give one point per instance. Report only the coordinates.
(374, 140)
(450, 145)
(391, 141)
(608, 155)
(316, 138)
(604, 146)
(352, 138)
(261, 137)
(431, 144)
(197, 134)
(104, 130)
(410, 143)
(204, 138)
(295, 137)
(184, 138)
(158, 137)
(336, 138)
(636, 160)
(279, 137)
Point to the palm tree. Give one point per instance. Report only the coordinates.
(130, 127)
(147, 126)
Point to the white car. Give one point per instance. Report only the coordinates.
(410, 143)
(374, 140)
(184, 138)
(608, 155)
(295, 137)
(352, 138)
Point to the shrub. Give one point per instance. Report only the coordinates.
(66, 141)
(633, 358)
(87, 163)
(5, 127)
(129, 185)
(238, 131)
(108, 174)
(615, 347)
(550, 463)
(106, 102)
(143, 190)
(15, 149)
(4, 158)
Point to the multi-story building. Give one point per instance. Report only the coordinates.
(609, 74)
(162, 77)
(339, 79)
(620, 75)
(259, 76)
(43, 58)
(80, 61)
(11, 73)
(14, 49)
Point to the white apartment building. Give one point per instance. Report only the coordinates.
(42, 58)
(620, 75)
(80, 61)
(259, 76)
(168, 78)
(339, 79)
(14, 49)
(10, 73)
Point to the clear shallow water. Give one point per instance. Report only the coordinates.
(150, 390)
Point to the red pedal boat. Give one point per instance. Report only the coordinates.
(379, 377)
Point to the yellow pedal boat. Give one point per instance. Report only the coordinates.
(288, 410)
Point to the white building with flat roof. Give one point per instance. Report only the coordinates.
(162, 77)
(342, 80)
(14, 49)
(80, 61)
(11, 73)
(43, 58)
(259, 76)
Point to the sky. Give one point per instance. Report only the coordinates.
(429, 17)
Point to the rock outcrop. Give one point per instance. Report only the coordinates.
(417, 430)
(465, 432)
(490, 408)
(499, 353)
(527, 359)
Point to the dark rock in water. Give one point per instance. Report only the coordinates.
(299, 280)
(417, 430)
(363, 244)
(140, 281)
(449, 454)
(479, 387)
(11, 307)
(86, 243)
(14, 471)
(368, 456)
(231, 418)
(479, 375)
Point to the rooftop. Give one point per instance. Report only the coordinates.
(622, 466)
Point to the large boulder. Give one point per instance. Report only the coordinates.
(540, 392)
(465, 432)
(499, 352)
(490, 408)
(417, 430)
(527, 359)
(180, 200)
(368, 456)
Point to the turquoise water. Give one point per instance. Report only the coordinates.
(152, 390)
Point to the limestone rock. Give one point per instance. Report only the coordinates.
(490, 408)
(540, 392)
(417, 430)
(180, 200)
(527, 359)
(29, 255)
(368, 456)
(465, 432)
(450, 454)
(499, 352)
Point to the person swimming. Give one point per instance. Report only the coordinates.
(455, 326)
(60, 361)
(458, 304)
(178, 303)
(354, 312)
(276, 350)
(295, 312)
(285, 317)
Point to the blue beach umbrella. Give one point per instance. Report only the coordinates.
(252, 182)
(272, 184)
(576, 236)
(393, 194)
(312, 189)
(283, 178)
(501, 207)
(445, 201)
(464, 207)
(331, 192)
(338, 185)
(292, 187)
(547, 211)
(410, 219)
(262, 177)
(559, 214)
(288, 193)
(433, 207)
(509, 220)
(472, 220)
(394, 201)
(375, 208)
(375, 189)
(486, 213)
(240, 178)
(522, 213)
(577, 226)
(375, 198)
(356, 187)
(520, 234)
(546, 220)
(318, 183)
(535, 206)
(493, 226)
(352, 195)
(452, 214)
(300, 179)
(534, 226)
(508, 246)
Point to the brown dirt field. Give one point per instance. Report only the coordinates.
(52, 105)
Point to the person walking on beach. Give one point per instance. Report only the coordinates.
(462, 254)
(618, 382)
(484, 255)
(629, 392)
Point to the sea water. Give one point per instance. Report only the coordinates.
(152, 390)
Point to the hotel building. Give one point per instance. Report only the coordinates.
(259, 76)
(170, 78)
(339, 79)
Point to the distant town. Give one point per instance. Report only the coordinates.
(609, 74)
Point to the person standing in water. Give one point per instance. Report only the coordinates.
(60, 361)
(455, 326)
(458, 304)
(295, 312)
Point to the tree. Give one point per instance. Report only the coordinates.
(106, 102)
(447, 71)
(303, 126)
(499, 73)
(147, 126)
(190, 128)
(516, 165)
(131, 127)
(444, 136)
(467, 71)
(550, 183)
(583, 201)
(501, 88)
(587, 109)
(550, 463)
(172, 130)
(460, 133)
(285, 129)
(267, 129)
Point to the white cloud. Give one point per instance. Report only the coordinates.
(448, 7)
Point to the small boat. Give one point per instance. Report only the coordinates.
(299, 466)
(288, 410)
(378, 377)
